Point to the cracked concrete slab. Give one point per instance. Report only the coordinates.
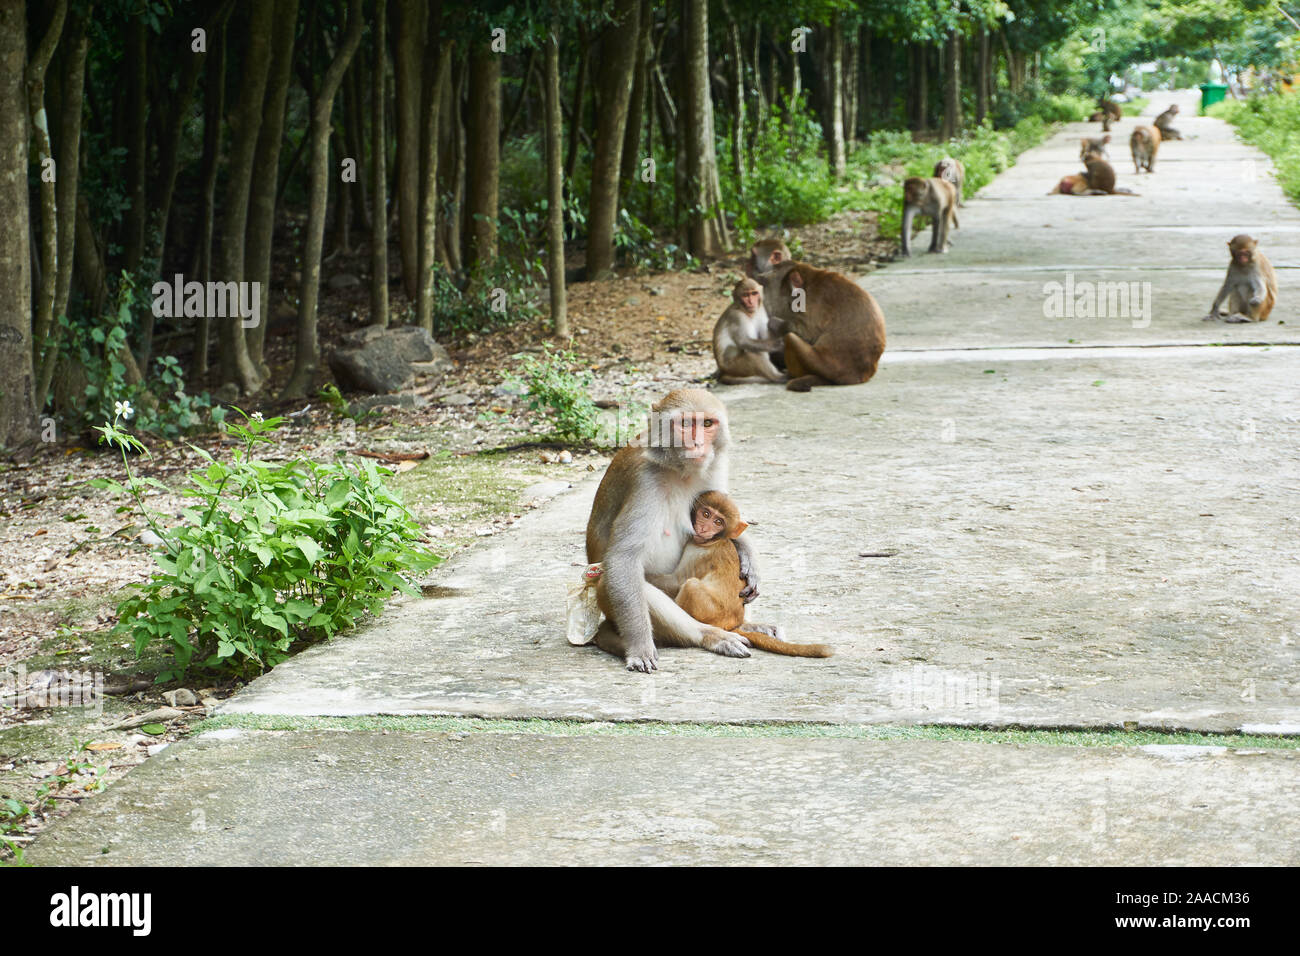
(239, 798)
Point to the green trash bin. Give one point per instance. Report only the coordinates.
(1212, 93)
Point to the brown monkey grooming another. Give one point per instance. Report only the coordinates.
(1144, 144)
(1250, 286)
(743, 338)
(1098, 180)
(953, 171)
(936, 198)
(1164, 119)
(640, 523)
(1095, 144)
(705, 580)
(836, 331)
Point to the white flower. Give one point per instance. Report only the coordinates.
(123, 409)
(257, 416)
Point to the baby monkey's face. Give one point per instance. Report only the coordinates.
(714, 516)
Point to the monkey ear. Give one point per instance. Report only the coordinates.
(796, 280)
(738, 530)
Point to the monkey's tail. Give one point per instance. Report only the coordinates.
(774, 645)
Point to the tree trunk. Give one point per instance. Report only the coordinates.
(307, 355)
(613, 90)
(835, 106)
(636, 105)
(737, 83)
(69, 165)
(923, 87)
(951, 86)
(579, 99)
(47, 178)
(266, 171)
(483, 159)
(555, 184)
(436, 73)
(214, 99)
(982, 76)
(451, 166)
(408, 50)
(354, 129)
(236, 366)
(707, 226)
(17, 394)
(378, 176)
(865, 87)
(136, 65)
(851, 47)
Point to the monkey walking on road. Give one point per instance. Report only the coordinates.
(933, 197)
(1250, 286)
(705, 581)
(1144, 144)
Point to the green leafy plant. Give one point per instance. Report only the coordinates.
(562, 394)
(269, 555)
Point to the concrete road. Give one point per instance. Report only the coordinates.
(1065, 501)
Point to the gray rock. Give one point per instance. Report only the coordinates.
(181, 698)
(456, 399)
(379, 366)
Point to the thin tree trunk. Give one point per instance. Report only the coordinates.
(436, 73)
(354, 131)
(865, 86)
(850, 43)
(408, 50)
(835, 89)
(951, 86)
(136, 64)
(378, 174)
(17, 395)
(982, 77)
(555, 184)
(579, 99)
(214, 98)
(708, 228)
(737, 82)
(307, 355)
(508, 126)
(47, 177)
(483, 159)
(69, 165)
(451, 166)
(613, 90)
(637, 104)
(236, 366)
(266, 166)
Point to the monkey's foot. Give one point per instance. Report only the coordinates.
(1211, 317)
(1238, 317)
(802, 384)
(643, 660)
(725, 643)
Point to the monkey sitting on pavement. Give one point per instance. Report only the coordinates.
(704, 583)
(1250, 286)
(743, 339)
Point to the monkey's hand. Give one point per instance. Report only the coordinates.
(748, 570)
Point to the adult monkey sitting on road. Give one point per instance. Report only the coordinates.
(640, 523)
(836, 331)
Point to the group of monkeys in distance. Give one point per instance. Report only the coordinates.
(794, 324)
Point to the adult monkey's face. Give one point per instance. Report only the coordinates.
(691, 423)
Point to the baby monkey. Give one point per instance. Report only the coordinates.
(705, 582)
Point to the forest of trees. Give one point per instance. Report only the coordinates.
(453, 148)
